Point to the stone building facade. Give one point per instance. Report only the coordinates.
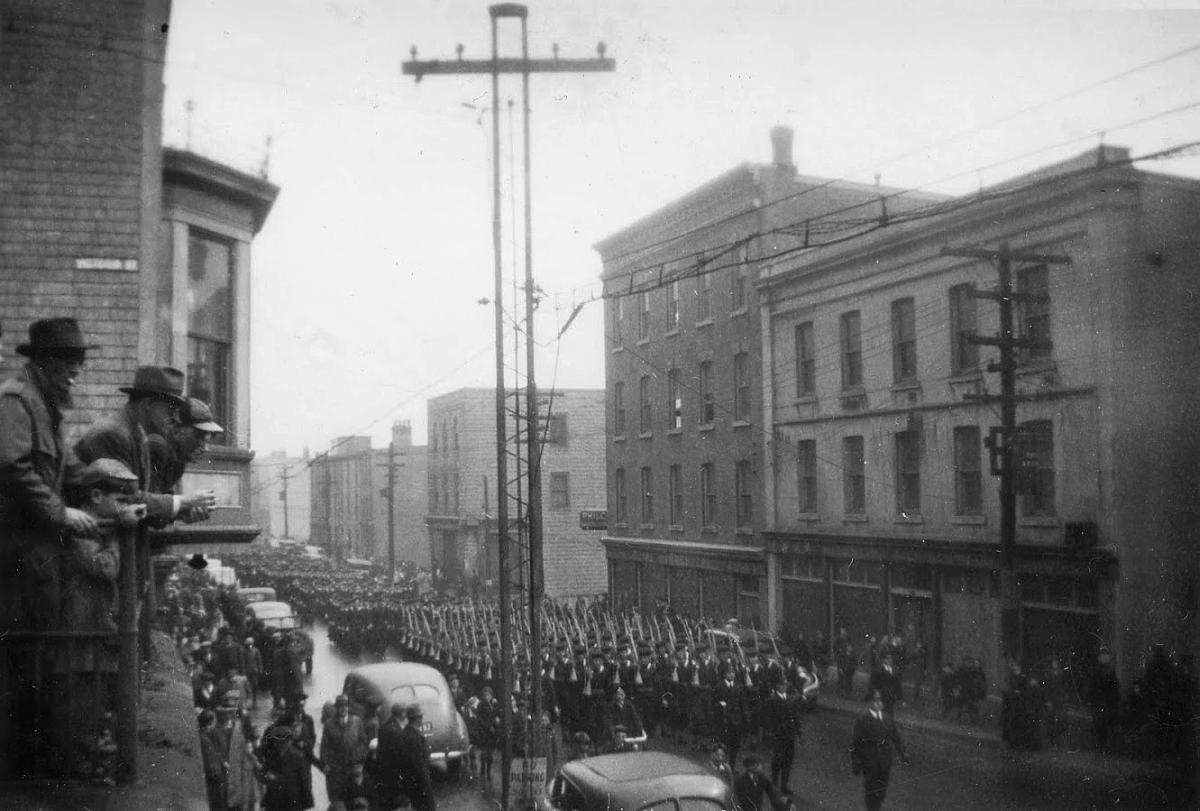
(882, 511)
(463, 490)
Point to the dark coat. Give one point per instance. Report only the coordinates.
(876, 742)
(120, 437)
(289, 782)
(414, 769)
(888, 685)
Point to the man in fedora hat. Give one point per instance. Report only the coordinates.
(155, 403)
(35, 463)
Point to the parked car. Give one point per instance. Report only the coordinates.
(277, 616)
(256, 594)
(728, 642)
(635, 780)
(411, 683)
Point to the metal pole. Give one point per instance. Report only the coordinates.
(533, 514)
(391, 502)
(127, 657)
(501, 434)
(1010, 599)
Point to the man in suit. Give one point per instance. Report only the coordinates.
(343, 744)
(886, 679)
(876, 742)
(781, 727)
(414, 762)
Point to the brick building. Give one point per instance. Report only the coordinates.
(684, 382)
(881, 510)
(349, 504)
(463, 489)
(148, 247)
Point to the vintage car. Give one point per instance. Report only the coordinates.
(633, 781)
(409, 683)
(256, 594)
(736, 643)
(277, 616)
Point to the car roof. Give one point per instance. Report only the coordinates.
(389, 675)
(638, 778)
(270, 609)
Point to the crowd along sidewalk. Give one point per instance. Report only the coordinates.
(170, 776)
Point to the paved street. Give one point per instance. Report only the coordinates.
(946, 772)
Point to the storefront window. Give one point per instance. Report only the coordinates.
(210, 323)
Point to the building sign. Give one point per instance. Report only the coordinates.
(593, 519)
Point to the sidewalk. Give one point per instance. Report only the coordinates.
(169, 774)
(925, 715)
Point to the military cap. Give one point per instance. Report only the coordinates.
(413, 712)
(341, 701)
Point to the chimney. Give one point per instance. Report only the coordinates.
(781, 146)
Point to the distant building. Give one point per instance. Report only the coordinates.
(281, 497)
(881, 509)
(683, 370)
(463, 490)
(348, 488)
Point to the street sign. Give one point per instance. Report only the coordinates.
(528, 778)
(593, 519)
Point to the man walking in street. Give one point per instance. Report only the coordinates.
(342, 745)
(414, 762)
(876, 742)
(781, 728)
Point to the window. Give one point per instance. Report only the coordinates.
(745, 493)
(741, 386)
(738, 275)
(617, 311)
(675, 493)
(908, 473)
(1034, 282)
(806, 474)
(619, 506)
(707, 403)
(210, 324)
(806, 366)
(644, 410)
(968, 472)
(674, 400)
(904, 341)
(619, 409)
(851, 350)
(1035, 468)
(560, 490)
(854, 483)
(457, 491)
(555, 430)
(672, 306)
(647, 496)
(964, 324)
(433, 494)
(708, 496)
(643, 316)
(704, 297)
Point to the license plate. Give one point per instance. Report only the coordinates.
(425, 728)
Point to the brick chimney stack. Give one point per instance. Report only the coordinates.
(781, 147)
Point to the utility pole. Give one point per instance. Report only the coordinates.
(524, 66)
(391, 502)
(1004, 442)
(283, 496)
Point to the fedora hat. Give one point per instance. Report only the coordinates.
(158, 381)
(54, 335)
(200, 416)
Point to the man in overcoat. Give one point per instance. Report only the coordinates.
(876, 742)
(35, 463)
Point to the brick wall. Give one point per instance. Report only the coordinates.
(80, 183)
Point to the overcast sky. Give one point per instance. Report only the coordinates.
(367, 275)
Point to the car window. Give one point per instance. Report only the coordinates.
(661, 805)
(565, 796)
(698, 804)
(414, 693)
